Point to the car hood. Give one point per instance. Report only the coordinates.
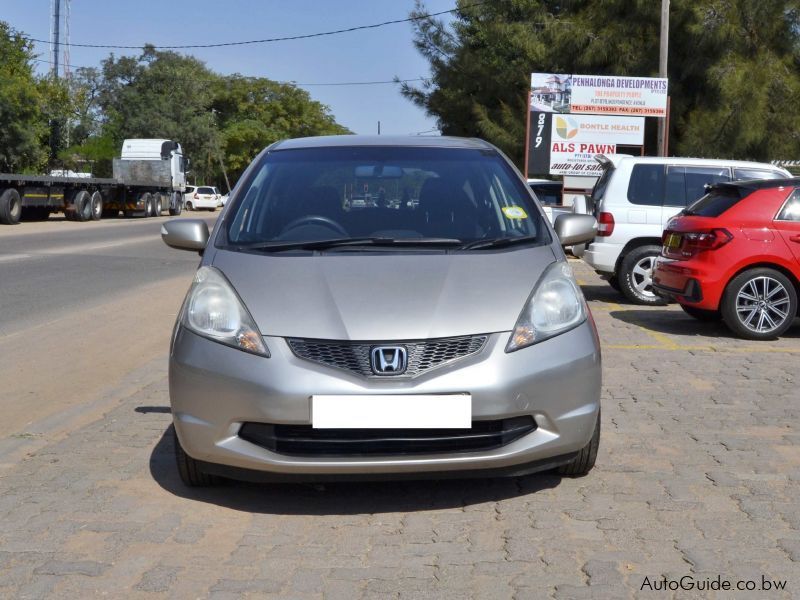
(385, 296)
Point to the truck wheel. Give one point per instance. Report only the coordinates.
(148, 203)
(176, 207)
(97, 206)
(83, 206)
(159, 208)
(10, 207)
(635, 276)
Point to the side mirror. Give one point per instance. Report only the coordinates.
(574, 229)
(185, 234)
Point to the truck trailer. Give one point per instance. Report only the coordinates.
(148, 178)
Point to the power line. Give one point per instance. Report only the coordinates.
(327, 83)
(276, 39)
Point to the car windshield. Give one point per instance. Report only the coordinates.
(381, 196)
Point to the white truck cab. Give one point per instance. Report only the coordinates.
(159, 149)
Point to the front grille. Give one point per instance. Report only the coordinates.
(355, 356)
(303, 440)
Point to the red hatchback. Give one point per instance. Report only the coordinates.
(735, 255)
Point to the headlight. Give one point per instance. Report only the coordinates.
(556, 306)
(213, 310)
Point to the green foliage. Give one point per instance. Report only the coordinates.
(733, 67)
(22, 124)
(216, 118)
(255, 112)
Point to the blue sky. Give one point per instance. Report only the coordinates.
(370, 55)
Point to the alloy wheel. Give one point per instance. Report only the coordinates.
(642, 276)
(762, 304)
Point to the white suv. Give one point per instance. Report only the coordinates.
(634, 199)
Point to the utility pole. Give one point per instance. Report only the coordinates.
(662, 70)
(55, 126)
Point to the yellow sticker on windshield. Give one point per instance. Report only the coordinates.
(514, 212)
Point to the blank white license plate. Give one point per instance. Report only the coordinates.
(450, 411)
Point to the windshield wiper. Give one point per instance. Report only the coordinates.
(498, 242)
(357, 241)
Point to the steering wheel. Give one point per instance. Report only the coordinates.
(319, 220)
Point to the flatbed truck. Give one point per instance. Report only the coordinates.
(148, 178)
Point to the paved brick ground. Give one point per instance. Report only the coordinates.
(698, 474)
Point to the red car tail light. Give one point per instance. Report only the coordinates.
(605, 224)
(697, 241)
(196, 196)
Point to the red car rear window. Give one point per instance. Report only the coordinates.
(716, 202)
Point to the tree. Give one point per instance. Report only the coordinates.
(255, 112)
(160, 95)
(22, 122)
(733, 67)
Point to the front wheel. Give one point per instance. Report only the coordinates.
(759, 304)
(189, 469)
(701, 314)
(176, 207)
(636, 276)
(583, 463)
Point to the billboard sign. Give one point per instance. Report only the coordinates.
(599, 94)
(576, 139)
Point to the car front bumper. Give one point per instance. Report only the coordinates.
(214, 389)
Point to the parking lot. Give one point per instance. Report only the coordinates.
(698, 476)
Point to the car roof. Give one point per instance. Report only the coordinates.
(758, 184)
(409, 141)
(685, 160)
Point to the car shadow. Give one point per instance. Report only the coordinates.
(343, 498)
(153, 409)
(676, 322)
(604, 293)
(671, 322)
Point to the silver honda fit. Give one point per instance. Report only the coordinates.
(383, 306)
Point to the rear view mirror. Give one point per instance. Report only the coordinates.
(378, 172)
(574, 229)
(185, 234)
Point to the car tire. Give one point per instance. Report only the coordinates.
(635, 276)
(176, 207)
(583, 463)
(97, 206)
(189, 469)
(148, 204)
(10, 207)
(83, 206)
(189, 206)
(702, 314)
(753, 298)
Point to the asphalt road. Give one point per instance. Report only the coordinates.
(82, 305)
(56, 268)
